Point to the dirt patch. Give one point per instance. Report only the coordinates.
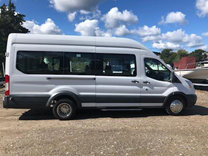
(94, 132)
(1, 97)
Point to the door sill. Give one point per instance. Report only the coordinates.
(121, 109)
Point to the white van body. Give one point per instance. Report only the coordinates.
(27, 88)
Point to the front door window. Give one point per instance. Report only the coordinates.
(156, 70)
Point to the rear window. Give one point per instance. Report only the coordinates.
(55, 63)
(40, 62)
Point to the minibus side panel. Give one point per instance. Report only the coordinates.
(113, 90)
(34, 87)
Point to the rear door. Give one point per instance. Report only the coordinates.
(117, 78)
(155, 82)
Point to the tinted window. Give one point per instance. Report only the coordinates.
(79, 63)
(115, 65)
(40, 62)
(156, 70)
(76, 63)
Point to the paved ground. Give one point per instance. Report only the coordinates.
(147, 132)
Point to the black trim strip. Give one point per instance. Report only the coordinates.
(117, 99)
(122, 99)
(42, 101)
(87, 98)
(152, 99)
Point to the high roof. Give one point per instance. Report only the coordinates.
(75, 40)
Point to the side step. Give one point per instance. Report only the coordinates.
(121, 109)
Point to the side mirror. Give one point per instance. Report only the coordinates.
(171, 77)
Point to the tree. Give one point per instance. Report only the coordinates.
(180, 53)
(172, 58)
(10, 22)
(168, 56)
(199, 54)
(165, 55)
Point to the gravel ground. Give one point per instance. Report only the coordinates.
(93, 132)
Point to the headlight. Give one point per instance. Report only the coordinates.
(189, 83)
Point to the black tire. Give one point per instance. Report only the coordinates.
(168, 108)
(60, 109)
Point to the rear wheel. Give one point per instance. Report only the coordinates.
(175, 105)
(64, 109)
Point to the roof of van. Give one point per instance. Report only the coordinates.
(75, 40)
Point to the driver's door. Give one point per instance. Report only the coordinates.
(155, 81)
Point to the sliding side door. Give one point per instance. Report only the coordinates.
(117, 78)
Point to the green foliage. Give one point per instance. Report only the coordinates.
(10, 22)
(180, 53)
(170, 57)
(173, 57)
(199, 55)
(166, 55)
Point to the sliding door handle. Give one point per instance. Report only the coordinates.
(146, 82)
(135, 81)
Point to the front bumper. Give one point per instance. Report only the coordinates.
(191, 100)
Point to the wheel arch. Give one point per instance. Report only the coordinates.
(180, 94)
(64, 95)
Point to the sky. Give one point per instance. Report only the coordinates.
(158, 24)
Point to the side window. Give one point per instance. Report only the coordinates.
(115, 65)
(79, 63)
(40, 62)
(156, 70)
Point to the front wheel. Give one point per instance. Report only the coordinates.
(175, 105)
(64, 109)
